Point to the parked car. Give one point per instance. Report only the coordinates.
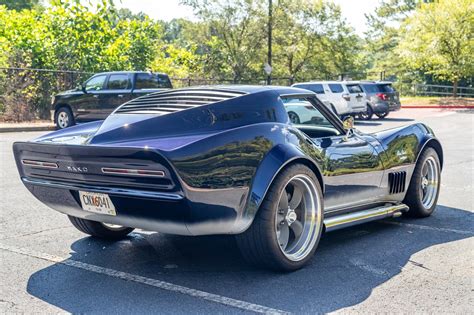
(97, 97)
(382, 98)
(342, 98)
(228, 160)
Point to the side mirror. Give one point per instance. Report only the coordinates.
(348, 125)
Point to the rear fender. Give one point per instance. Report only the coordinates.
(278, 158)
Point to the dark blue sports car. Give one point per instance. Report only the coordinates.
(271, 165)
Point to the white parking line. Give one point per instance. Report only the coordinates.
(246, 306)
(425, 227)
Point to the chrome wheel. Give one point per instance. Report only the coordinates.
(63, 119)
(429, 182)
(299, 218)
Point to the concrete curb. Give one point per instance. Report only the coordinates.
(26, 128)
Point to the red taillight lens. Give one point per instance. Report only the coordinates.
(132, 172)
(382, 96)
(40, 164)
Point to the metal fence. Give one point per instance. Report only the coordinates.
(441, 90)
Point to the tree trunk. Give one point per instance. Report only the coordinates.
(455, 88)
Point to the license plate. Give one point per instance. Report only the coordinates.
(96, 202)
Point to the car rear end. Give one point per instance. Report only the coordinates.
(123, 186)
(388, 94)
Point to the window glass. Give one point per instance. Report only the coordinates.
(152, 81)
(302, 113)
(336, 88)
(316, 88)
(118, 81)
(386, 88)
(96, 83)
(372, 88)
(354, 88)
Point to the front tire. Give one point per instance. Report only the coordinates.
(423, 192)
(287, 228)
(64, 118)
(99, 229)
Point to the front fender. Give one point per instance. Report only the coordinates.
(273, 163)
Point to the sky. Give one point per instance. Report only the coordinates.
(352, 10)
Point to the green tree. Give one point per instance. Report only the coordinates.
(438, 39)
(21, 4)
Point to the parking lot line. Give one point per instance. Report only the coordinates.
(432, 228)
(246, 306)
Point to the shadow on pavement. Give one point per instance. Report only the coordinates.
(347, 266)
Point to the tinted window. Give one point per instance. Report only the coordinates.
(118, 82)
(336, 88)
(372, 88)
(152, 81)
(96, 83)
(354, 88)
(386, 88)
(316, 88)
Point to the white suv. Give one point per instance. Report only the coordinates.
(343, 98)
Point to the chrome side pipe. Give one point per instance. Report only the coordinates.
(350, 219)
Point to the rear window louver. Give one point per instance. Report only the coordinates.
(176, 100)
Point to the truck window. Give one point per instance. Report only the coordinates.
(118, 82)
(96, 83)
(152, 81)
(316, 88)
(336, 88)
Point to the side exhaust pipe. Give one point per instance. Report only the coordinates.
(350, 219)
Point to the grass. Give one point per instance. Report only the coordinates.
(436, 101)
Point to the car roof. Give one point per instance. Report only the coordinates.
(371, 82)
(320, 82)
(133, 72)
(250, 89)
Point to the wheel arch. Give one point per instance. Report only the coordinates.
(436, 145)
(277, 160)
(58, 106)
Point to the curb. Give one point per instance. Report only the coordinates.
(26, 129)
(440, 106)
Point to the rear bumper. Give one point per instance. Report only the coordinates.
(164, 212)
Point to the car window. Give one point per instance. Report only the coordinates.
(152, 81)
(316, 88)
(96, 83)
(354, 88)
(336, 88)
(302, 113)
(118, 81)
(386, 88)
(372, 88)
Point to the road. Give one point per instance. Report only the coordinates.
(399, 265)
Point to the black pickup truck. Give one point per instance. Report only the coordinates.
(96, 98)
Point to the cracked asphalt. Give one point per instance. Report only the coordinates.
(398, 265)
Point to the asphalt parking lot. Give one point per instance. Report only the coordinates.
(398, 265)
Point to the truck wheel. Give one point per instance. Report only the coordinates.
(64, 118)
(368, 114)
(287, 228)
(99, 229)
(423, 192)
(382, 115)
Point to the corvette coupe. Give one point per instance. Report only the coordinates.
(230, 160)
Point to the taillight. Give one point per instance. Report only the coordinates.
(39, 164)
(382, 96)
(132, 172)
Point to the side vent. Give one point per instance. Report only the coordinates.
(396, 182)
(176, 100)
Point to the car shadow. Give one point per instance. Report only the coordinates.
(396, 119)
(347, 266)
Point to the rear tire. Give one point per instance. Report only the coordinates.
(368, 114)
(423, 192)
(382, 115)
(287, 228)
(99, 229)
